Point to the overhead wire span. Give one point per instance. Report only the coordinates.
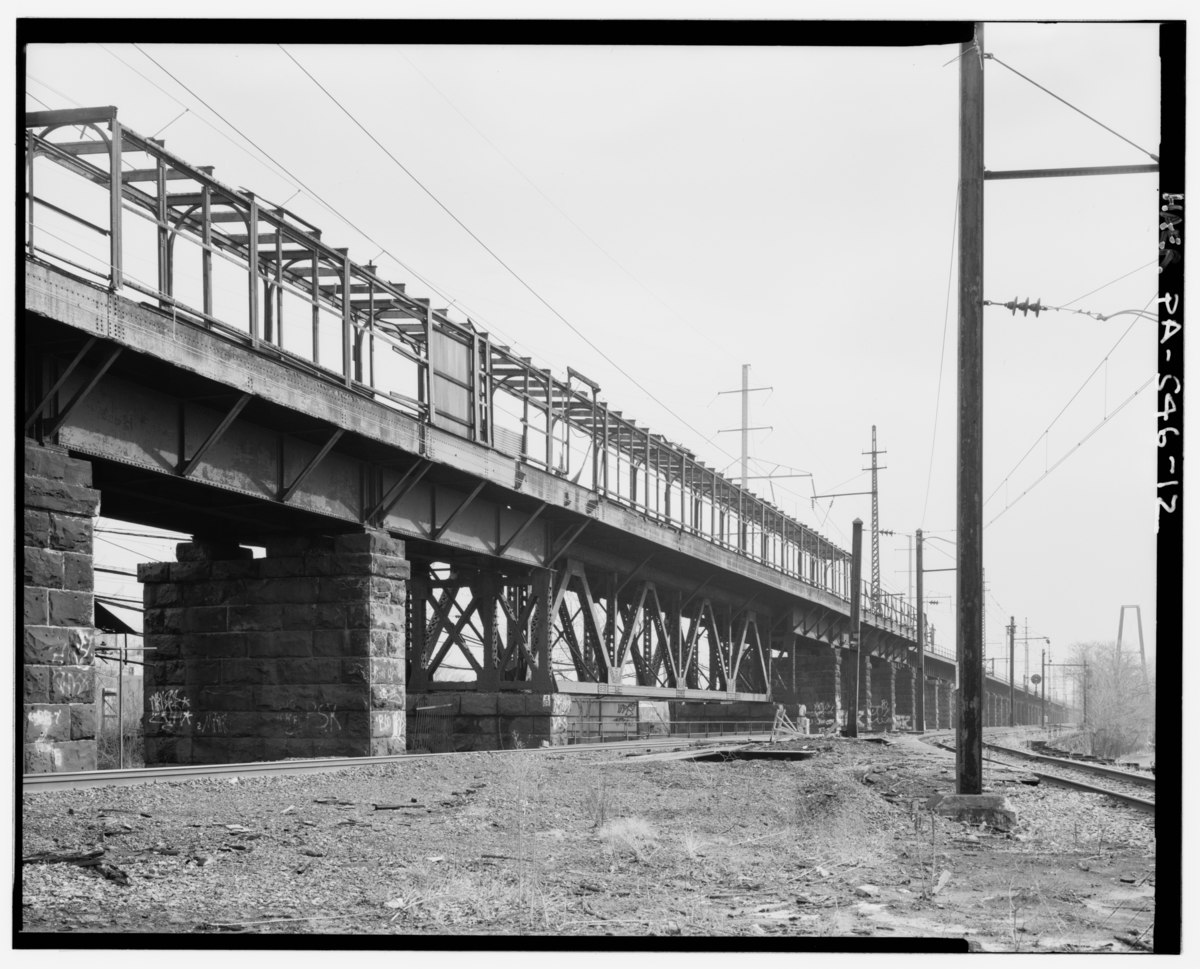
(491, 252)
(295, 182)
(513, 165)
(1120, 407)
(937, 404)
(1070, 105)
(1063, 409)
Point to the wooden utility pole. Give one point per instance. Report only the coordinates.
(969, 629)
(855, 622)
(919, 699)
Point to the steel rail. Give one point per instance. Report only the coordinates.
(1049, 778)
(77, 780)
(1129, 799)
(1087, 767)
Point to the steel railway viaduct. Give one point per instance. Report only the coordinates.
(444, 524)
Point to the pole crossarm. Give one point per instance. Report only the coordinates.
(1069, 172)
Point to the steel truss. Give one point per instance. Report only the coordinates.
(580, 630)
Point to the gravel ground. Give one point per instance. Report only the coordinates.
(597, 844)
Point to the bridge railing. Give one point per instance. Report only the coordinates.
(118, 207)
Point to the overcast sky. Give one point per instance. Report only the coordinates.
(693, 209)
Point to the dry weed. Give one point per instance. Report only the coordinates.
(635, 835)
(596, 802)
(691, 844)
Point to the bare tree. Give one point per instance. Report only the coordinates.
(1119, 697)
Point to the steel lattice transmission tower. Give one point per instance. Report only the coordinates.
(875, 469)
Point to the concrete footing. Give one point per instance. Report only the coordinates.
(990, 809)
(444, 721)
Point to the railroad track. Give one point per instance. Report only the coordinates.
(74, 780)
(1123, 786)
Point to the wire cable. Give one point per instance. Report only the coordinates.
(937, 404)
(296, 183)
(1120, 407)
(1152, 262)
(491, 252)
(1070, 105)
(1049, 426)
(583, 232)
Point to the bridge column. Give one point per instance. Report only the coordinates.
(849, 675)
(59, 695)
(905, 715)
(945, 696)
(297, 654)
(818, 670)
(883, 694)
(931, 703)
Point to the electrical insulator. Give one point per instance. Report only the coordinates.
(1025, 306)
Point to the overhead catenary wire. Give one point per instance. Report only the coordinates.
(500, 261)
(1120, 407)
(1062, 410)
(298, 184)
(316, 197)
(549, 201)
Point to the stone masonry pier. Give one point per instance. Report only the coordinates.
(298, 654)
(59, 679)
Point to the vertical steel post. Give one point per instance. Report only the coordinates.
(206, 255)
(347, 323)
(29, 213)
(1012, 671)
(121, 703)
(920, 691)
(969, 630)
(1025, 667)
(875, 583)
(1043, 689)
(252, 268)
(115, 277)
(746, 424)
(314, 294)
(277, 290)
(1085, 683)
(1142, 648)
(160, 213)
(855, 616)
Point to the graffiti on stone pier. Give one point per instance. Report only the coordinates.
(316, 717)
(824, 717)
(213, 723)
(170, 708)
